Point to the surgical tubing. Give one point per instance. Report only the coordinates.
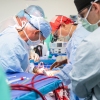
(56, 95)
(31, 88)
(26, 88)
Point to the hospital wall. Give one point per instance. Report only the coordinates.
(50, 7)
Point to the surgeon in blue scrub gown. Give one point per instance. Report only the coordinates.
(72, 45)
(15, 42)
(85, 75)
(21, 16)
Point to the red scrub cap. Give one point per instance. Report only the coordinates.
(57, 20)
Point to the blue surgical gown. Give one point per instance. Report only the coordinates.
(86, 81)
(72, 45)
(13, 51)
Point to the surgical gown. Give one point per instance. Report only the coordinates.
(13, 51)
(72, 45)
(85, 74)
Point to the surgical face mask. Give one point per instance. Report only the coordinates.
(65, 38)
(88, 26)
(30, 42)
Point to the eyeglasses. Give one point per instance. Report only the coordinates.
(32, 23)
(55, 36)
(83, 12)
(27, 13)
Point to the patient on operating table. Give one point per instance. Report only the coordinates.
(45, 71)
(53, 68)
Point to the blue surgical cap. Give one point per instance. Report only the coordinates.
(43, 25)
(32, 10)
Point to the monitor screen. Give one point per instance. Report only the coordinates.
(59, 44)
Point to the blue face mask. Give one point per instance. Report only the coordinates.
(32, 43)
(88, 26)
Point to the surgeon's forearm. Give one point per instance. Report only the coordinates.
(64, 74)
(64, 77)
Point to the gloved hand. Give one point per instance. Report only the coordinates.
(60, 60)
(34, 56)
(55, 65)
(58, 63)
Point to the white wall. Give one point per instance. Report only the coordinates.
(50, 7)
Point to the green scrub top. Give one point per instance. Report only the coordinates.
(48, 40)
(4, 88)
